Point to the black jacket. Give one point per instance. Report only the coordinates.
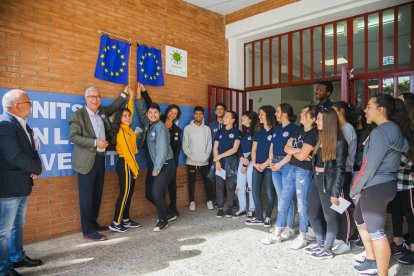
(333, 178)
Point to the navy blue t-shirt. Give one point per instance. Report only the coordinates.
(226, 138)
(280, 137)
(246, 142)
(263, 138)
(301, 137)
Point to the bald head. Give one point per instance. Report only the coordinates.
(17, 102)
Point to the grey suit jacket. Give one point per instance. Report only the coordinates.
(83, 136)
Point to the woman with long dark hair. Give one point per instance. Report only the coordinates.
(261, 163)
(245, 170)
(403, 203)
(329, 161)
(376, 184)
(280, 166)
(126, 166)
(226, 146)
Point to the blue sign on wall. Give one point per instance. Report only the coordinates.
(49, 120)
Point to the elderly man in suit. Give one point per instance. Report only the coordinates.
(89, 131)
(19, 165)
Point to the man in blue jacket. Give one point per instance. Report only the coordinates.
(19, 165)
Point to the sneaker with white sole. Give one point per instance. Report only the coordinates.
(129, 223)
(340, 247)
(322, 255)
(229, 213)
(120, 228)
(266, 222)
(287, 233)
(210, 205)
(299, 242)
(239, 214)
(192, 206)
(366, 267)
(313, 250)
(310, 236)
(160, 226)
(360, 257)
(250, 215)
(272, 238)
(254, 222)
(220, 213)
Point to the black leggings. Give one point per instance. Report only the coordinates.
(371, 208)
(172, 191)
(230, 188)
(192, 172)
(126, 189)
(403, 205)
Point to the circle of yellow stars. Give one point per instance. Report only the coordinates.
(142, 70)
(103, 63)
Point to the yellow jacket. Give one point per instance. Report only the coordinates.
(126, 145)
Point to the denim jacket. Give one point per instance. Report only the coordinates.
(157, 137)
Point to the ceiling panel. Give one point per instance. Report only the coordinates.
(223, 7)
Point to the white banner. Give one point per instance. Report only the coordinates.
(175, 61)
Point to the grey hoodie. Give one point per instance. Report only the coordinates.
(381, 159)
(197, 144)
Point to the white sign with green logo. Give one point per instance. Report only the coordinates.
(175, 61)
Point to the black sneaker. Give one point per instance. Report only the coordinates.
(355, 237)
(250, 215)
(313, 250)
(229, 213)
(171, 217)
(266, 222)
(360, 244)
(407, 258)
(160, 226)
(322, 255)
(407, 238)
(129, 223)
(397, 249)
(220, 213)
(254, 222)
(239, 214)
(120, 228)
(366, 267)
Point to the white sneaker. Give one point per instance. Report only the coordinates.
(272, 238)
(360, 257)
(192, 206)
(287, 233)
(310, 236)
(299, 242)
(340, 247)
(209, 205)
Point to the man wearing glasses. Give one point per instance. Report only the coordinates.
(19, 165)
(89, 132)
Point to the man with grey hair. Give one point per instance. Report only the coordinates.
(19, 165)
(89, 130)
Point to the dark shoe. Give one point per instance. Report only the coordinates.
(12, 272)
(366, 267)
(229, 213)
(360, 244)
(161, 225)
(250, 215)
(355, 237)
(95, 236)
(254, 222)
(129, 223)
(101, 228)
(27, 262)
(220, 213)
(322, 255)
(239, 214)
(267, 222)
(120, 228)
(407, 258)
(396, 249)
(407, 238)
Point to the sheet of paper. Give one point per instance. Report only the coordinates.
(343, 205)
(221, 173)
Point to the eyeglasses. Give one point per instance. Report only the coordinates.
(29, 102)
(94, 97)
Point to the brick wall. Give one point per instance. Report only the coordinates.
(51, 46)
(256, 9)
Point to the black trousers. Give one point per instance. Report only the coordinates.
(192, 173)
(155, 187)
(90, 188)
(126, 190)
(230, 188)
(403, 205)
(345, 219)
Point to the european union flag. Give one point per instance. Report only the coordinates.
(149, 65)
(112, 63)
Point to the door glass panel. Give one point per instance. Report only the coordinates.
(341, 45)
(306, 55)
(329, 51)
(275, 60)
(317, 53)
(249, 72)
(388, 39)
(257, 64)
(404, 36)
(296, 56)
(358, 45)
(373, 45)
(388, 86)
(266, 62)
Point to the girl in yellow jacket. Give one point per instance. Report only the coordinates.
(126, 166)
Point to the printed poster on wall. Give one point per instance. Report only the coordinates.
(175, 61)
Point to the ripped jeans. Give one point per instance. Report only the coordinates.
(298, 181)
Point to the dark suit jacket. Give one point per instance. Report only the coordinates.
(18, 159)
(83, 136)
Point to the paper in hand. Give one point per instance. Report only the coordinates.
(343, 205)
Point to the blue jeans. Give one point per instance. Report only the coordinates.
(266, 177)
(279, 180)
(13, 212)
(244, 184)
(298, 180)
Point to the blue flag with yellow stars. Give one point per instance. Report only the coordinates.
(112, 63)
(149, 66)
